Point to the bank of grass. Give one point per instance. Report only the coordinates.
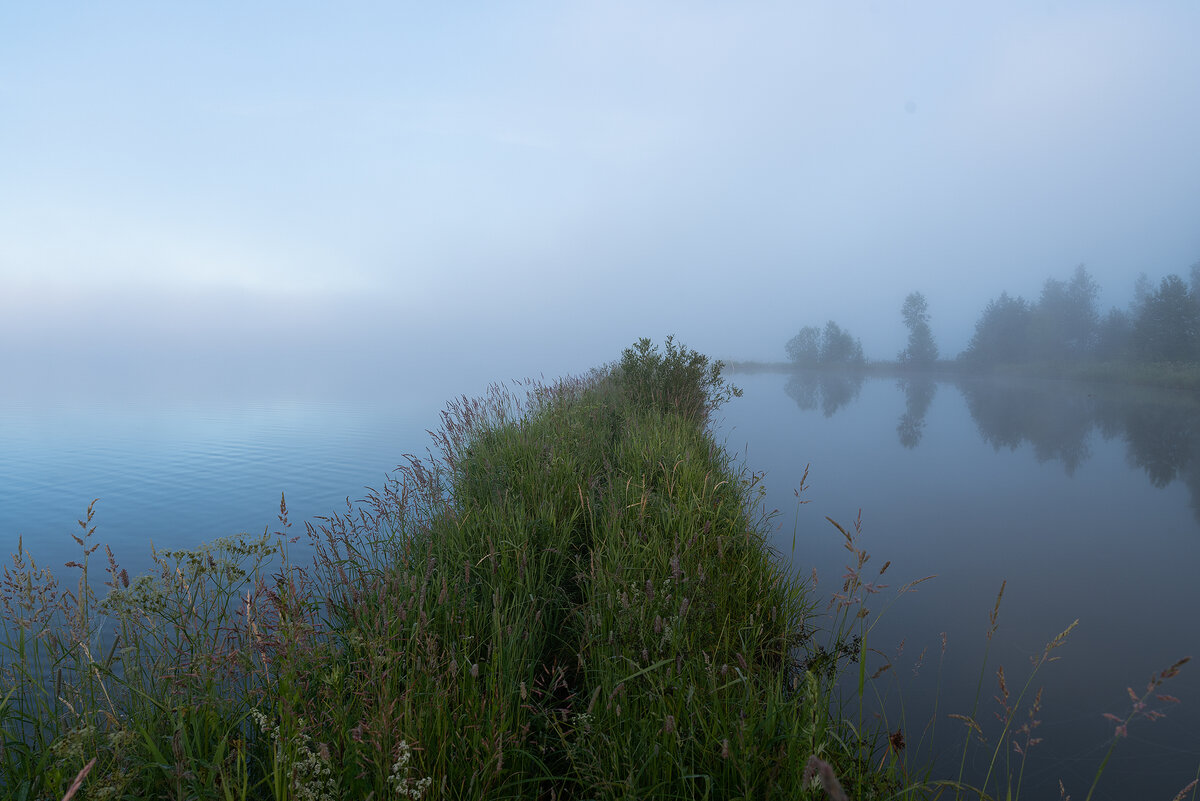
(1166, 375)
(575, 599)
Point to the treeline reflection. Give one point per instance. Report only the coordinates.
(828, 390)
(1161, 430)
(1055, 418)
(918, 394)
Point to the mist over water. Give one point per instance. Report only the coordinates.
(179, 474)
(248, 250)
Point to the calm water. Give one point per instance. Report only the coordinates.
(178, 471)
(1084, 501)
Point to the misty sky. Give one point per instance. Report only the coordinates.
(535, 185)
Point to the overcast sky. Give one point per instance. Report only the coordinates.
(535, 185)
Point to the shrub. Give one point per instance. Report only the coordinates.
(680, 380)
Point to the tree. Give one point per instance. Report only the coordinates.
(921, 350)
(1063, 325)
(838, 348)
(1001, 333)
(805, 348)
(1142, 290)
(681, 380)
(1113, 336)
(831, 347)
(1167, 327)
(1082, 315)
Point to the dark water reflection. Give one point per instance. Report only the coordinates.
(1054, 417)
(829, 391)
(918, 394)
(1058, 418)
(1085, 500)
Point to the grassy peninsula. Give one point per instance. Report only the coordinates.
(574, 599)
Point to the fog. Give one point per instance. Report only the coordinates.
(305, 195)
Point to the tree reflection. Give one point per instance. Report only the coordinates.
(1160, 445)
(1161, 436)
(1191, 479)
(1161, 431)
(1057, 419)
(1054, 417)
(829, 389)
(804, 388)
(918, 394)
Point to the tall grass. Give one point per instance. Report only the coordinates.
(574, 598)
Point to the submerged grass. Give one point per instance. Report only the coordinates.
(574, 599)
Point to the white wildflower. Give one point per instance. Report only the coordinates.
(399, 781)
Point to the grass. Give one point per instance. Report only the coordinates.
(575, 599)
(1167, 375)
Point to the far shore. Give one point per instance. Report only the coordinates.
(1162, 375)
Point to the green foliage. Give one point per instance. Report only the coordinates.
(1062, 326)
(1065, 333)
(1167, 328)
(1001, 333)
(830, 347)
(576, 601)
(678, 379)
(804, 349)
(921, 350)
(1114, 335)
(839, 348)
(1064, 321)
(1167, 375)
(151, 709)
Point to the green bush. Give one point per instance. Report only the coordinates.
(680, 380)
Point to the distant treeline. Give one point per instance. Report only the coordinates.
(1064, 326)
(834, 346)
(1161, 324)
(814, 347)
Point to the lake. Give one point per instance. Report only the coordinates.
(1084, 500)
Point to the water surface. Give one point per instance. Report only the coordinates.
(1083, 499)
(179, 470)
